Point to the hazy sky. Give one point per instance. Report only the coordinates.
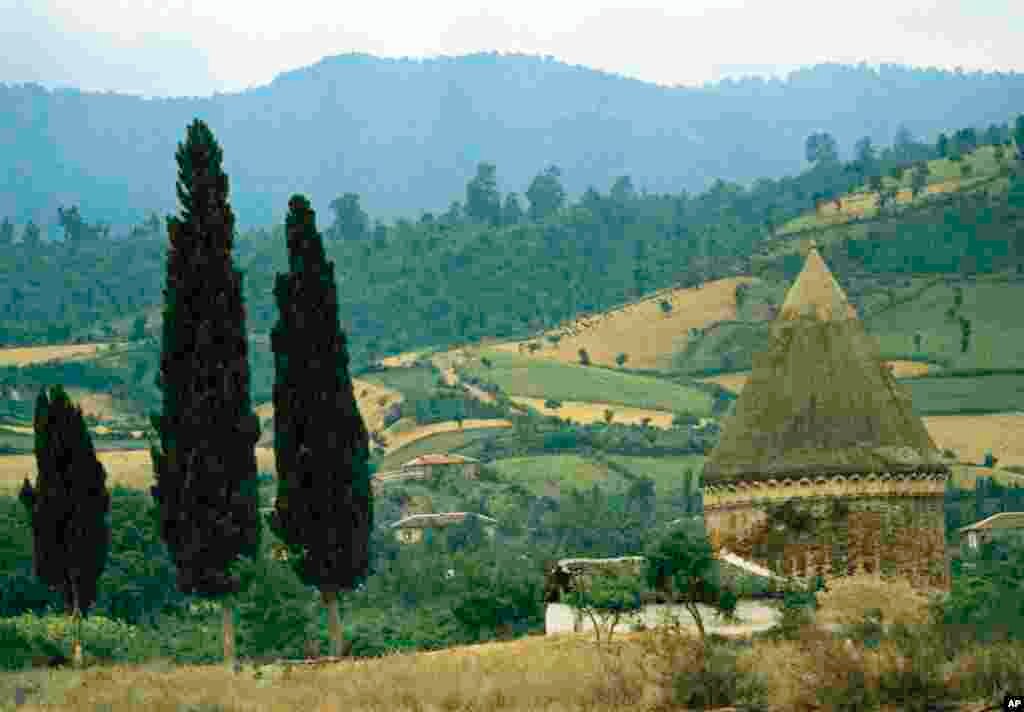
(182, 47)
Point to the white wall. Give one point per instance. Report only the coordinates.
(753, 616)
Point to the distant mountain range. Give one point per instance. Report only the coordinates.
(407, 134)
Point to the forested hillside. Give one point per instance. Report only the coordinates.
(407, 134)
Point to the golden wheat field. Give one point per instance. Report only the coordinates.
(26, 355)
(586, 413)
(640, 330)
(131, 468)
(970, 436)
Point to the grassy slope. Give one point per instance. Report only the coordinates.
(541, 378)
(548, 474)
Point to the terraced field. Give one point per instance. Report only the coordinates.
(27, 355)
(586, 413)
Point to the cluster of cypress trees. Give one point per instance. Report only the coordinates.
(204, 461)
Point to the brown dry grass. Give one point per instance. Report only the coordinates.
(25, 355)
(402, 359)
(971, 435)
(849, 598)
(641, 330)
(580, 412)
(553, 673)
(131, 468)
(735, 381)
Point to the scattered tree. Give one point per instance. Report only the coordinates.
(1018, 136)
(206, 487)
(68, 507)
(621, 359)
(350, 221)
(606, 600)
(512, 212)
(584, 357)
(942, 146)
(31, 236)
(483, 201)
(919, 178)
(821, 149)
(6, 233)
(609, 415)
(546, 194)
(666, 307)
(965, 334)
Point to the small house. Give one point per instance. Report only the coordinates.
(416, 527)
(434, 464)
(1004, 525)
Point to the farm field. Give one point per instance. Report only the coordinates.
(542, 378)
(548, 474)
(131, 468)
(368, 397)
(944, 177)
(441, 437)
(397, 441)
(997, 332)
(27, 355)
(641, 330)
(413, 383)
(586, 413)
(668, 473)
(970, 436)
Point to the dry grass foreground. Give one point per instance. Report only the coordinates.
(586, 413)
(26, 355)
(735, 381)
(552, 673)
(640, 330)
(373, 400)
(131, 468)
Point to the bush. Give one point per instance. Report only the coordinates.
(916, 682)
(989, 672)
(720, 682)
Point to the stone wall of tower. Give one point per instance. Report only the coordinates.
(900, 534)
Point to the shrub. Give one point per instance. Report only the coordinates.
(719, 682)
(989, 672)
(916, 681)
(584, 357)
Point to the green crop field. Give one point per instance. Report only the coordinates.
(442, 442)
(997, 332)
(541, 378)
(548, 474)
(997, 393)
(668, 473)
(414, 383)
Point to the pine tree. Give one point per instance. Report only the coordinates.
(68, 507)
(205, 463)
(324, 507)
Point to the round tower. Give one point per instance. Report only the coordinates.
(823, 468)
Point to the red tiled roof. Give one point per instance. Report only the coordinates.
(439, 459)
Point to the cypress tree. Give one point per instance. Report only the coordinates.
(205, 462)
(68, 508)
(324, 507)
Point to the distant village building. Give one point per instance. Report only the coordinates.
(1003, 526)
(414, 528)
(823, 468)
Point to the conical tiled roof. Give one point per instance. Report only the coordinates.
(820, 400)
(816, 294)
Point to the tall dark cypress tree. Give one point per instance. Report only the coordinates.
(205, 463)
(68, 507)
(324, 507)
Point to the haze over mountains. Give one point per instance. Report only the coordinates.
(407, 134)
